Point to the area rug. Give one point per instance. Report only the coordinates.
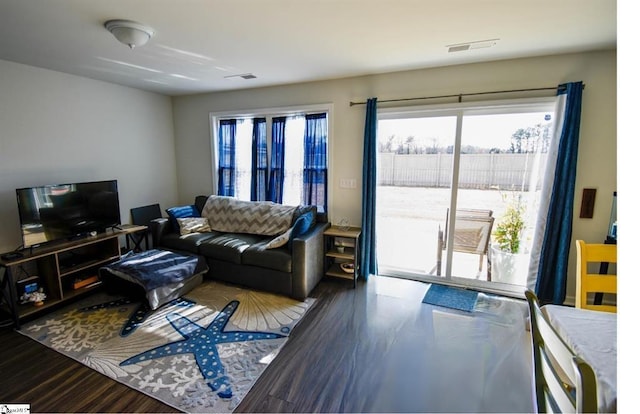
(451, 297)
(200, 353)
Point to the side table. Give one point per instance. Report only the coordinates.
(341, 248)
(136, 234)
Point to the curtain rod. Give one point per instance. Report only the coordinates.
(460, 95)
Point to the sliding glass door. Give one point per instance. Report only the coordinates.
(482, 161)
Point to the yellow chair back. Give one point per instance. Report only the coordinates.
(594, 282)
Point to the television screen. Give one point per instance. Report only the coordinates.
(64, 211)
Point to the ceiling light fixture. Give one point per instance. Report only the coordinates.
(130, 33)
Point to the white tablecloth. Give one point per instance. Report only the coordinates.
(593, 336)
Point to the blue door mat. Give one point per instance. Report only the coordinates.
(451, 297)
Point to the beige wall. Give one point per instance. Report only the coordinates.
(56, 127)
(59, 128)
(597, 152)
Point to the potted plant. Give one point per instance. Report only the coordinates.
(510, 227)
(509, 264)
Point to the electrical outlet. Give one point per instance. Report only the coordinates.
(348, 183)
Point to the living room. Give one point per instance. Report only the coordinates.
(57, 127)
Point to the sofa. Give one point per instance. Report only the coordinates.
(289, 263)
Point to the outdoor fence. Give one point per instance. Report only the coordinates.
(478, 171)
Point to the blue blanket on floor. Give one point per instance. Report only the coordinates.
(155, 268)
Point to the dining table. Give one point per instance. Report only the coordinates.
(592, 335)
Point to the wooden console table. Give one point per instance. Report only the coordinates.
(59, 268)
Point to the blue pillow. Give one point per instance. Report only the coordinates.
(300, 227)
(181, 212)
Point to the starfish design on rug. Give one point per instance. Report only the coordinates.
(201, 342)
(139, 315)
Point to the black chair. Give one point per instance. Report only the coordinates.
(142, 216)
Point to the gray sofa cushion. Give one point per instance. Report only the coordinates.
(229, 246)
(277, 259)
(188, 242)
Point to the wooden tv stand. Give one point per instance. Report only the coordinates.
(61, 268)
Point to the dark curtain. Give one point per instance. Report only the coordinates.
(227, 157)
(315, 161)
(368, 262)
(552, 270)
(276, 179)
(259, 160)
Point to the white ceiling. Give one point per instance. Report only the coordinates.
(199, 42)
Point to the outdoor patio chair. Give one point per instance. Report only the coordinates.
(472, 235)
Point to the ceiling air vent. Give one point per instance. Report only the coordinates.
(242, 76)
(478, 44)
(459, 48)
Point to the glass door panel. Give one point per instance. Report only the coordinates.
(414, 191)
(500, 171)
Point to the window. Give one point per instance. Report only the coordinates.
(293, 161)
(279, 157)
(244, 133)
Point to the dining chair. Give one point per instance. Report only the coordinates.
(564, 382)
(472, 235)
(592, 283)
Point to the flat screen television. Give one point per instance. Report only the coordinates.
(51, 213)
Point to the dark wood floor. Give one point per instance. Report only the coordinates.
(371, 349)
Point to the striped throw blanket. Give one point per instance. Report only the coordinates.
(229, 215)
